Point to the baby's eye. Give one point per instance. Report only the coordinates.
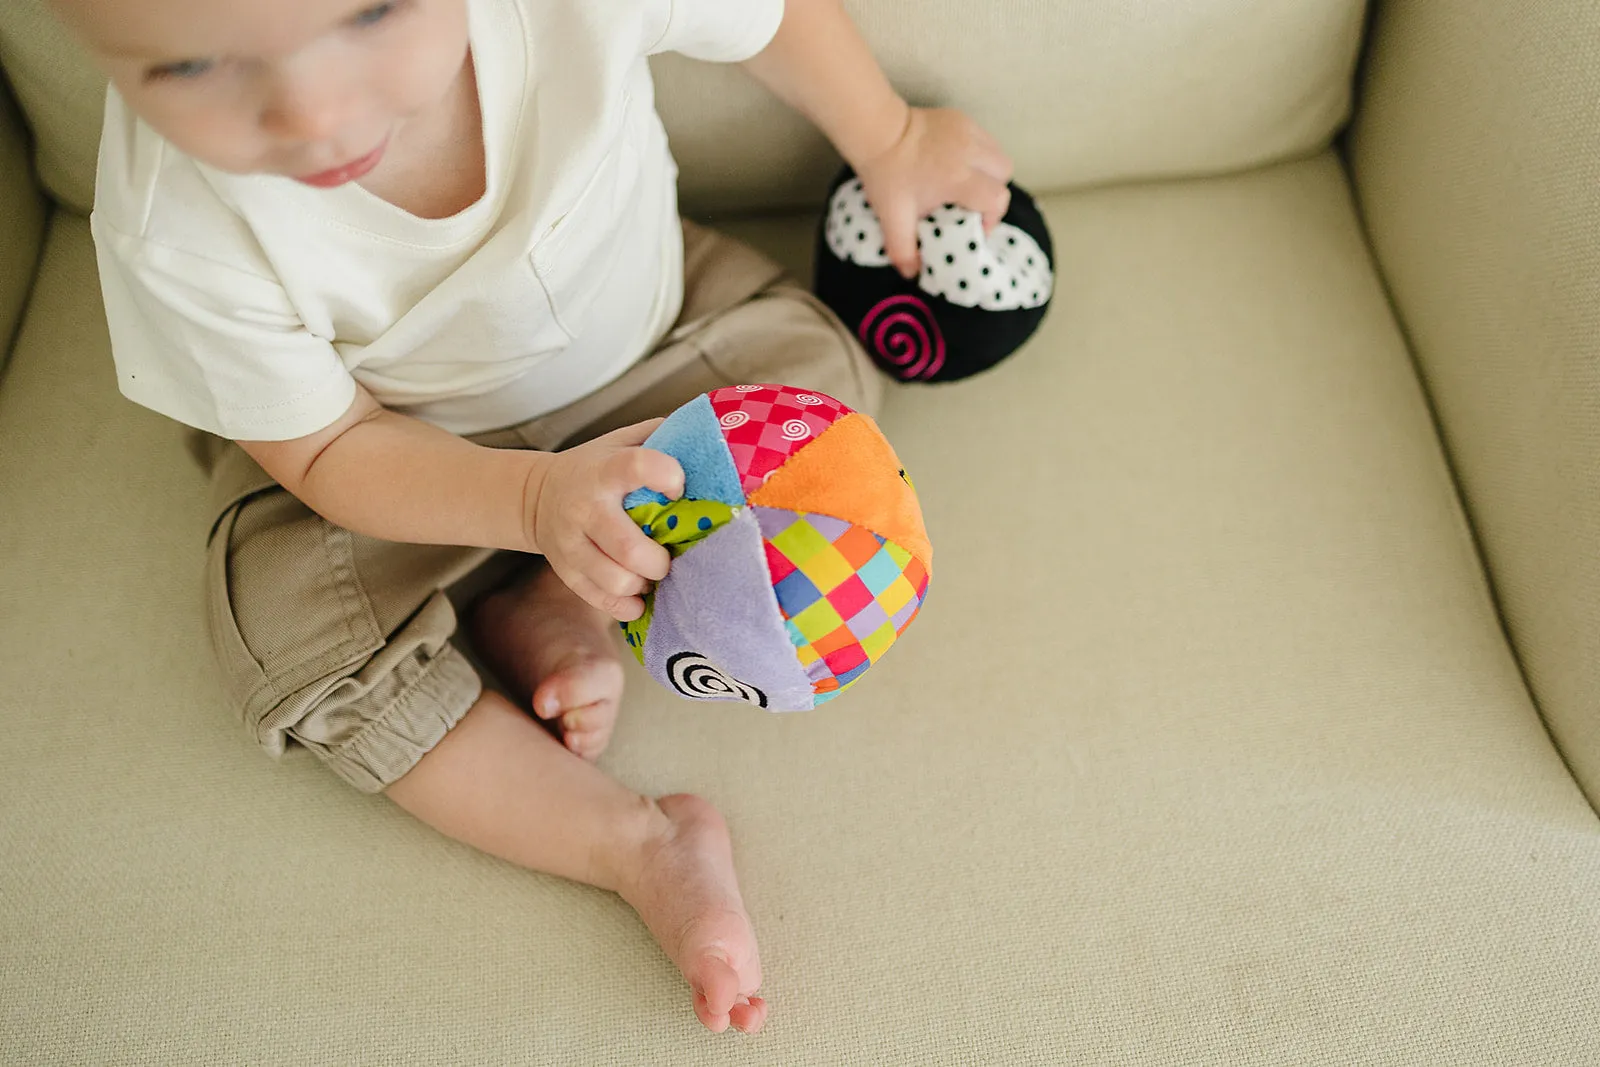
(182, 70)
(373, 15)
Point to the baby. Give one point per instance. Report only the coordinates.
(416, 270)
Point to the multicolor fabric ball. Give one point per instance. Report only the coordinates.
(799, 551)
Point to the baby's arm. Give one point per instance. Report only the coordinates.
(390, 476)
(819, 65)
(910, 160)
(394, 477)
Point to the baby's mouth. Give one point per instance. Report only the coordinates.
(347, 172)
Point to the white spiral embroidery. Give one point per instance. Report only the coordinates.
(734, 419)
(807, 399)
(795, 430)
(748, 388)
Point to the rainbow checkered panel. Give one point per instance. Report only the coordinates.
(846, 593)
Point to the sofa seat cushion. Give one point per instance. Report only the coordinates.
(1207, 748)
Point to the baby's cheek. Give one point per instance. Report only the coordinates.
(415, 70)
(210, 130)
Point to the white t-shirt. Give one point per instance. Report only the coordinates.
(250, 306)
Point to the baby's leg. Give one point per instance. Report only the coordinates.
(342, 643)
(501, 783)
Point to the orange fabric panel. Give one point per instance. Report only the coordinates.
(850, 472)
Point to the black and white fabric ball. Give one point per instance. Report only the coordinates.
(976, 300)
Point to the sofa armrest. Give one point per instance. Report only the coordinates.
(1474, 159)
(22, 218)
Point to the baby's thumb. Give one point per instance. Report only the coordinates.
(645, 468)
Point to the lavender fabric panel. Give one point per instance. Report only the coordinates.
(717, 633)
(903, 616)
(773, 521)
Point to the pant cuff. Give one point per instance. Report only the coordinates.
(408, 729)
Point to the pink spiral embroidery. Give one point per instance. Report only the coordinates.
(903, 331)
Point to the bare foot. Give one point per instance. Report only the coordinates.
(558, 655)
(685, 889)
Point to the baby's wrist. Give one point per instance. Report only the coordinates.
(875, 132)
(534, 470)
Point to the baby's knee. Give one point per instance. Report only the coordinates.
(369, 713)
(307, 652)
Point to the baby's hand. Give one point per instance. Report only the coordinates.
(578, 523)
(943, 157)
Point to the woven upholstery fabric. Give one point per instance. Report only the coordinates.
(21, 222)
(1207, 748)
(1079, 91)
(1478, 165)
(61, 94)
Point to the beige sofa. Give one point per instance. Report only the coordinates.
(1254, 717)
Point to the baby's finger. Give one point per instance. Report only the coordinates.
(605, 585)
(989, 158)
(989, 197)
(592, 595)
(631, 548)
(898, 217)
(611, 577)
(984, 138)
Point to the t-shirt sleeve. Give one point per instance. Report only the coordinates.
(719, 31)
(214, 346)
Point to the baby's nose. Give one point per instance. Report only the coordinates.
(309, 111)
(315, 124)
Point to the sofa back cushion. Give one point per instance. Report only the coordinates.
(1080, 91)
(61, 97)
(21, 224)
(1477, 160)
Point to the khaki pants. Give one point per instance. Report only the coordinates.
(342, 643)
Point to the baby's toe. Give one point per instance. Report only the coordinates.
(582, 685)
(749, 1017)
(587, 742)
(716, 993)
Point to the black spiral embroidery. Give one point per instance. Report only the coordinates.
(699, 679)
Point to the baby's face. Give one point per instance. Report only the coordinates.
(308, 89)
